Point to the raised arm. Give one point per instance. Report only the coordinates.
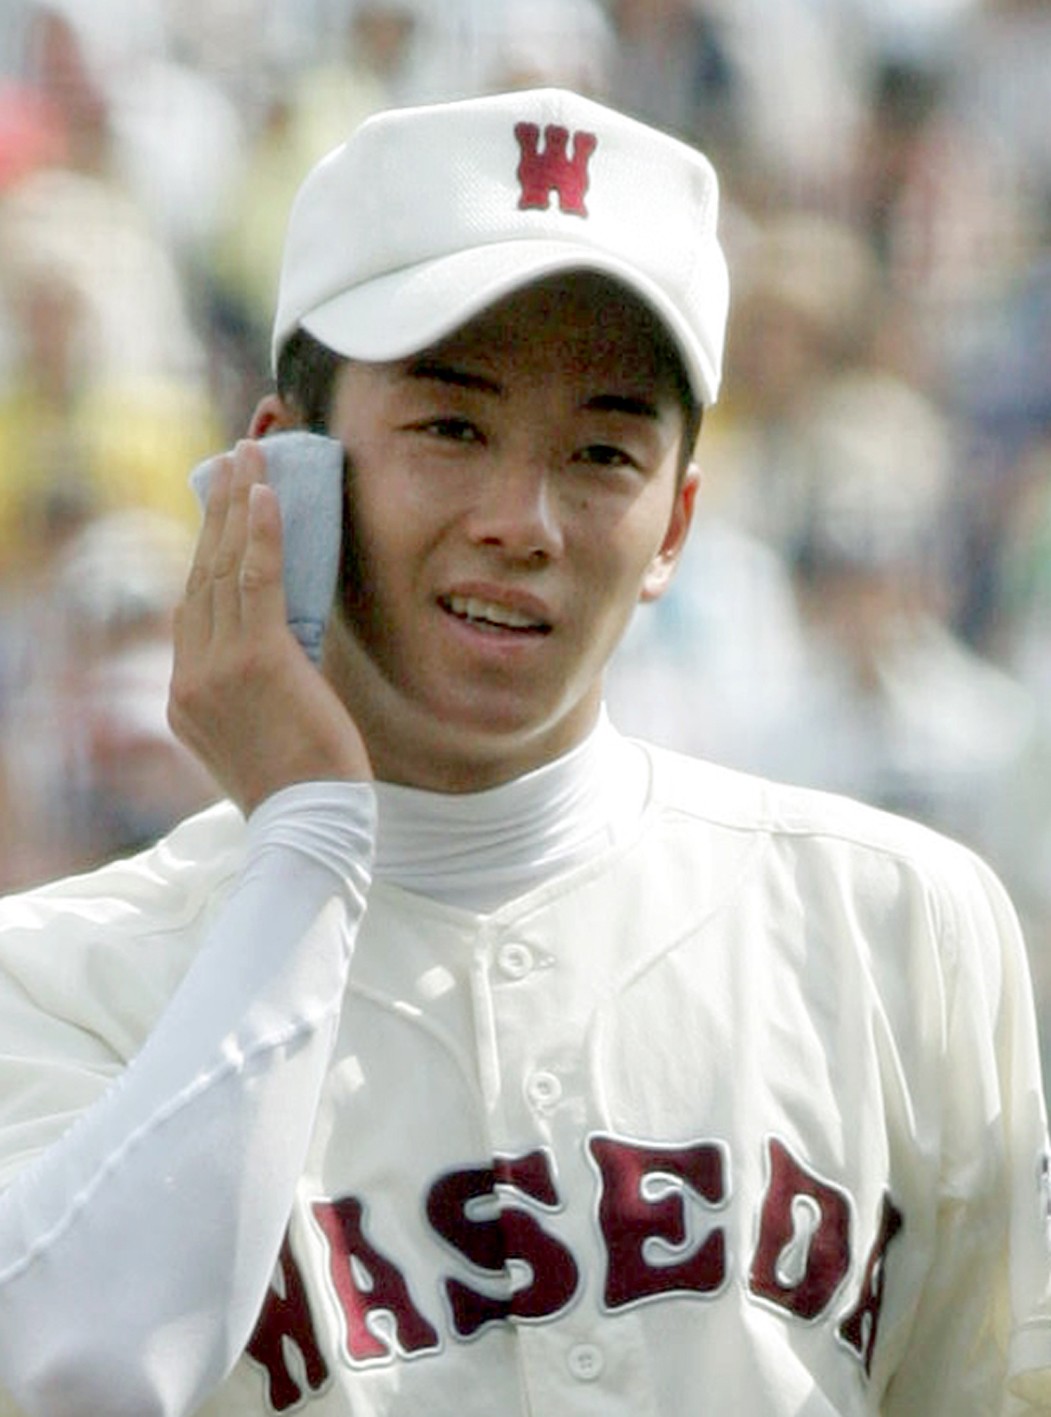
(135, 1251)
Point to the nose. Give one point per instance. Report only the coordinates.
(516, 510)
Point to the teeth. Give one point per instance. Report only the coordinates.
(469, 608)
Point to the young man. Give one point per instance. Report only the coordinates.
(474, 1059)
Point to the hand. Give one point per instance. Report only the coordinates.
(244, 696)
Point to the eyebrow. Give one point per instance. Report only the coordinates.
(434, 369)
(623, 403)
(429, 368)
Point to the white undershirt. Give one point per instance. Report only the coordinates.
(479, 849)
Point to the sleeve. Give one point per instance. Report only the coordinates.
(135, 1251)
(981, 1341)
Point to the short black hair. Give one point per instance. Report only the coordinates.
(306, 378)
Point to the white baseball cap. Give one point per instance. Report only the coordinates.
(428, 215)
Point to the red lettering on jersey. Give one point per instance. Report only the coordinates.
(383, 1290)
(286, 1320)
(860, 1329)
(552, 170)
(512, 1234)
(629, 1218)
(803, 1252)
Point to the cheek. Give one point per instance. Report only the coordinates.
(370, 544)
(635, 547)
(386, 558)
(356, 575)
(613, 584)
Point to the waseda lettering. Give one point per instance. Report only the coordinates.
(821, 1254)
(386, 1289)
(552, 168)
(628, 1219)
(286, 1317)
(491, 1216)
(514, 1234)
(860, 1329)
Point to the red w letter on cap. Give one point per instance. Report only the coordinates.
(553, 170)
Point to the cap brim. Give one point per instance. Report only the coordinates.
(407, 311)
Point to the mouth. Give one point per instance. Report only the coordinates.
(492, 615)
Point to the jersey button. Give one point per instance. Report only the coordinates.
(543, 1090)
(515, 961)
(585, 1361)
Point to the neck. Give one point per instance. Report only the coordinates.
(480, 849)
(475, 765)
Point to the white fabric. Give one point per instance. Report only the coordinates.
(613, 1063)
(479, 849)
(395, 240)
(306, 471)
(236, 1062)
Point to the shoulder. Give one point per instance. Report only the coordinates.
(825, 836)
(725, 797)
(115, 941)
(918, 916)
(164, 883)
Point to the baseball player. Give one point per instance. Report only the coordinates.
(472, 1059)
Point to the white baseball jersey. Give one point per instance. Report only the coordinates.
(744, 1115)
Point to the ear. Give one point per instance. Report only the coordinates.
(272, 415)
(661, 569)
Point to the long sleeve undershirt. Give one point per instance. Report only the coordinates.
(477, 850)
(126, 1287)
(134, 1253)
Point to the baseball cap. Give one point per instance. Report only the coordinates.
(427, 215)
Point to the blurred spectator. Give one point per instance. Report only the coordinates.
(938, 211)
(58, 65)
(796, 68)
(565, 43)
(805, 308)
(1024, 645)
(91, 766)
(896, 153)
(373, 64)
(31, 135)
(1025, 574)
(1000, 382)
(178, 146)
(106, 402)
(161, 131)
(913, 28)
(673, 67)
(999, 70)
(892, 706)
(303, 115)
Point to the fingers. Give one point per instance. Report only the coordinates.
(244, 697)
(194, 615)
(235, 580)
(248, 469)
(262, 591)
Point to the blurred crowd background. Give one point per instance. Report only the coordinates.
(866, 604)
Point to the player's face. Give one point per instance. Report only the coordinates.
(514, 492)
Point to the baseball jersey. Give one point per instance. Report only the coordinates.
(741, 1114)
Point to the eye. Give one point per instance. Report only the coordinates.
(605, 455)
(451, 429)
